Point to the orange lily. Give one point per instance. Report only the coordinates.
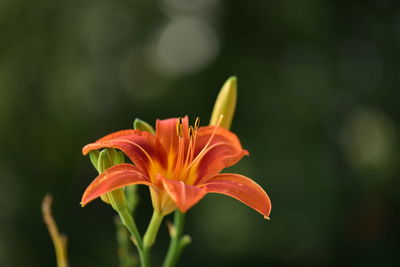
(180, 164)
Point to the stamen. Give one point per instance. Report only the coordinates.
(196, 127)
(190, 146)
(181, 146)
(190, 131)
(179, 127)
(197, 123)
(205, 148)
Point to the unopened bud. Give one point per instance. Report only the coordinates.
(119, 158)
(102, 162)
(171, 229)
(138, 124)
(107, 158)
(185, 240)
(117, 199)
(94, 158)
(225, 104)
(104, 198)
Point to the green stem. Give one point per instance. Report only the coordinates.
(177, 241)
(152, 230)
(125, 255)
(144, 256)
(127, 220)
(150, 236)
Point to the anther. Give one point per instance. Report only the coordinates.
(197, 123)
(179, 128)
(191, 131)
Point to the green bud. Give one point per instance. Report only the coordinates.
(110, 154)
(171, 229)
(117, 199)
(94, 158)
(185, 240)
(225, 104)
(105, 198)
(119, 158)
(107, 158)
(103, 163)
(138, 124)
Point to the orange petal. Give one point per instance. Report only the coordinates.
(223, 150)
(184, 196)
(142, 148)
(113, 178)
(166, 132)
(242, 188)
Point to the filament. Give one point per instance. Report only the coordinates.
(181, 146)
(205, 148)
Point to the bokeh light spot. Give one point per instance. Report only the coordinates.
(186, 45)
(368, 138)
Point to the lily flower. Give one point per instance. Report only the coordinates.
(180, 164)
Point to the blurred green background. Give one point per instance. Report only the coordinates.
(318, 110)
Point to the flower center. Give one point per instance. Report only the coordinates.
(186, 161)
(185, 156)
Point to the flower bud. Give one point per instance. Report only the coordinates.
(107, 158)
(119, 158)
(94, 158)
(171, 229)
(117, 199)
(105, 198)
(225, 104)
(102, 162)
(138, 124)
(185, 240)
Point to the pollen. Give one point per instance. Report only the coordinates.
(179, 128)
(197, 123)
(191, 130)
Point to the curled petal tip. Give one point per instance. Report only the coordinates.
(243, 189)
(267, 218)
(84, 202)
